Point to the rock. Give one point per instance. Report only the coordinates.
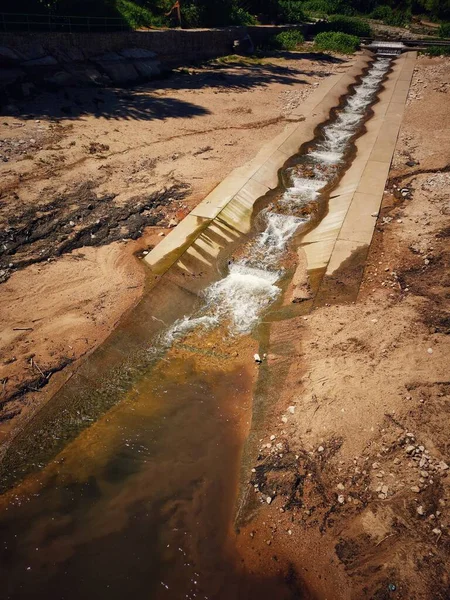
(284, 419)
(320, 449)
(416, 489)
(161, 234)
(272, 437)
(424, 473)
(430, 350)
(436, 531)
(340, 486)
(385, 489)
(409, 449)
(397, 461)
(257, 358)
(422, 448)
(173, 223)
(341, 499)
(291, 409)
(269, 499)
(44, 61)
(420, 511)
(443, 466)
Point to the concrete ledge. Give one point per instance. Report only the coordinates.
(355, 204)
(230, 204)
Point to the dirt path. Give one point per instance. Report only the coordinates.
(89, 177)
(352, 479)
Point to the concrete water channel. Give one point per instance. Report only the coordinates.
(127, 482)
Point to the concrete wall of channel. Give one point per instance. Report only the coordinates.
(33, 59)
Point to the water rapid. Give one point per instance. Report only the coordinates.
(250, 284)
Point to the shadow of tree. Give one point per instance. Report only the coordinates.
(73, 103)
(148, 101)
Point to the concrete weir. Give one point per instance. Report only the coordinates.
(353, 206)
(229, 206)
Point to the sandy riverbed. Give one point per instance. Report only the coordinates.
(355, 459)
(91, 177)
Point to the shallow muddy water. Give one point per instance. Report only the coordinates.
(131, 490)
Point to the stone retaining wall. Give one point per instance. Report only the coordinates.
(29, 60)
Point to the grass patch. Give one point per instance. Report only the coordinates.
(336, 41)
(436, 51)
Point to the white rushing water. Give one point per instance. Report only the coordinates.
(250, 285)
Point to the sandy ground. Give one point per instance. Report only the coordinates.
(352, 479)
(90, 177)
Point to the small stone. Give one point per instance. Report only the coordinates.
(409, 449)
(284, 419)
(269, 499)
(320, 449)
(340, 486)
(272, 437)
(420, 511)
(291, 409)
(397, 461)
(374, 320)
(341, 499)
(443, 466)
(385, 489)
(422, 448)
(257, 358)
(382, 496)
(161, 234)
(436, 531)
(423, 473)
(430, 350)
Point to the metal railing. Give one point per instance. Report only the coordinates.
(63, 23)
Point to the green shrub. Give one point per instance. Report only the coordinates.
(136, 16)
(287, 40)
(398, 18)
(190, 16)
(444, 30)
(437, 51)
(327, 7)
(381, 13)
(239, 16)
(290, 12)
(350, 25)
(336, 42)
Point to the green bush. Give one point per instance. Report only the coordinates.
(398, 18)
(336, 41)
(444, 30)
(327, 7)
(381, 13)
(350, 25)
(287, 40)
(437, 51)
(239, 16)
(136, 16)
(290, 12)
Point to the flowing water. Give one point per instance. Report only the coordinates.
(140, 501)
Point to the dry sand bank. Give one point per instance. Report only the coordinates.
(90, 177)
(352, 478)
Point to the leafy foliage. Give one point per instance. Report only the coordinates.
(344, 24)
(444, 30)
(437, 51)
(287, 40)
(336, 41)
